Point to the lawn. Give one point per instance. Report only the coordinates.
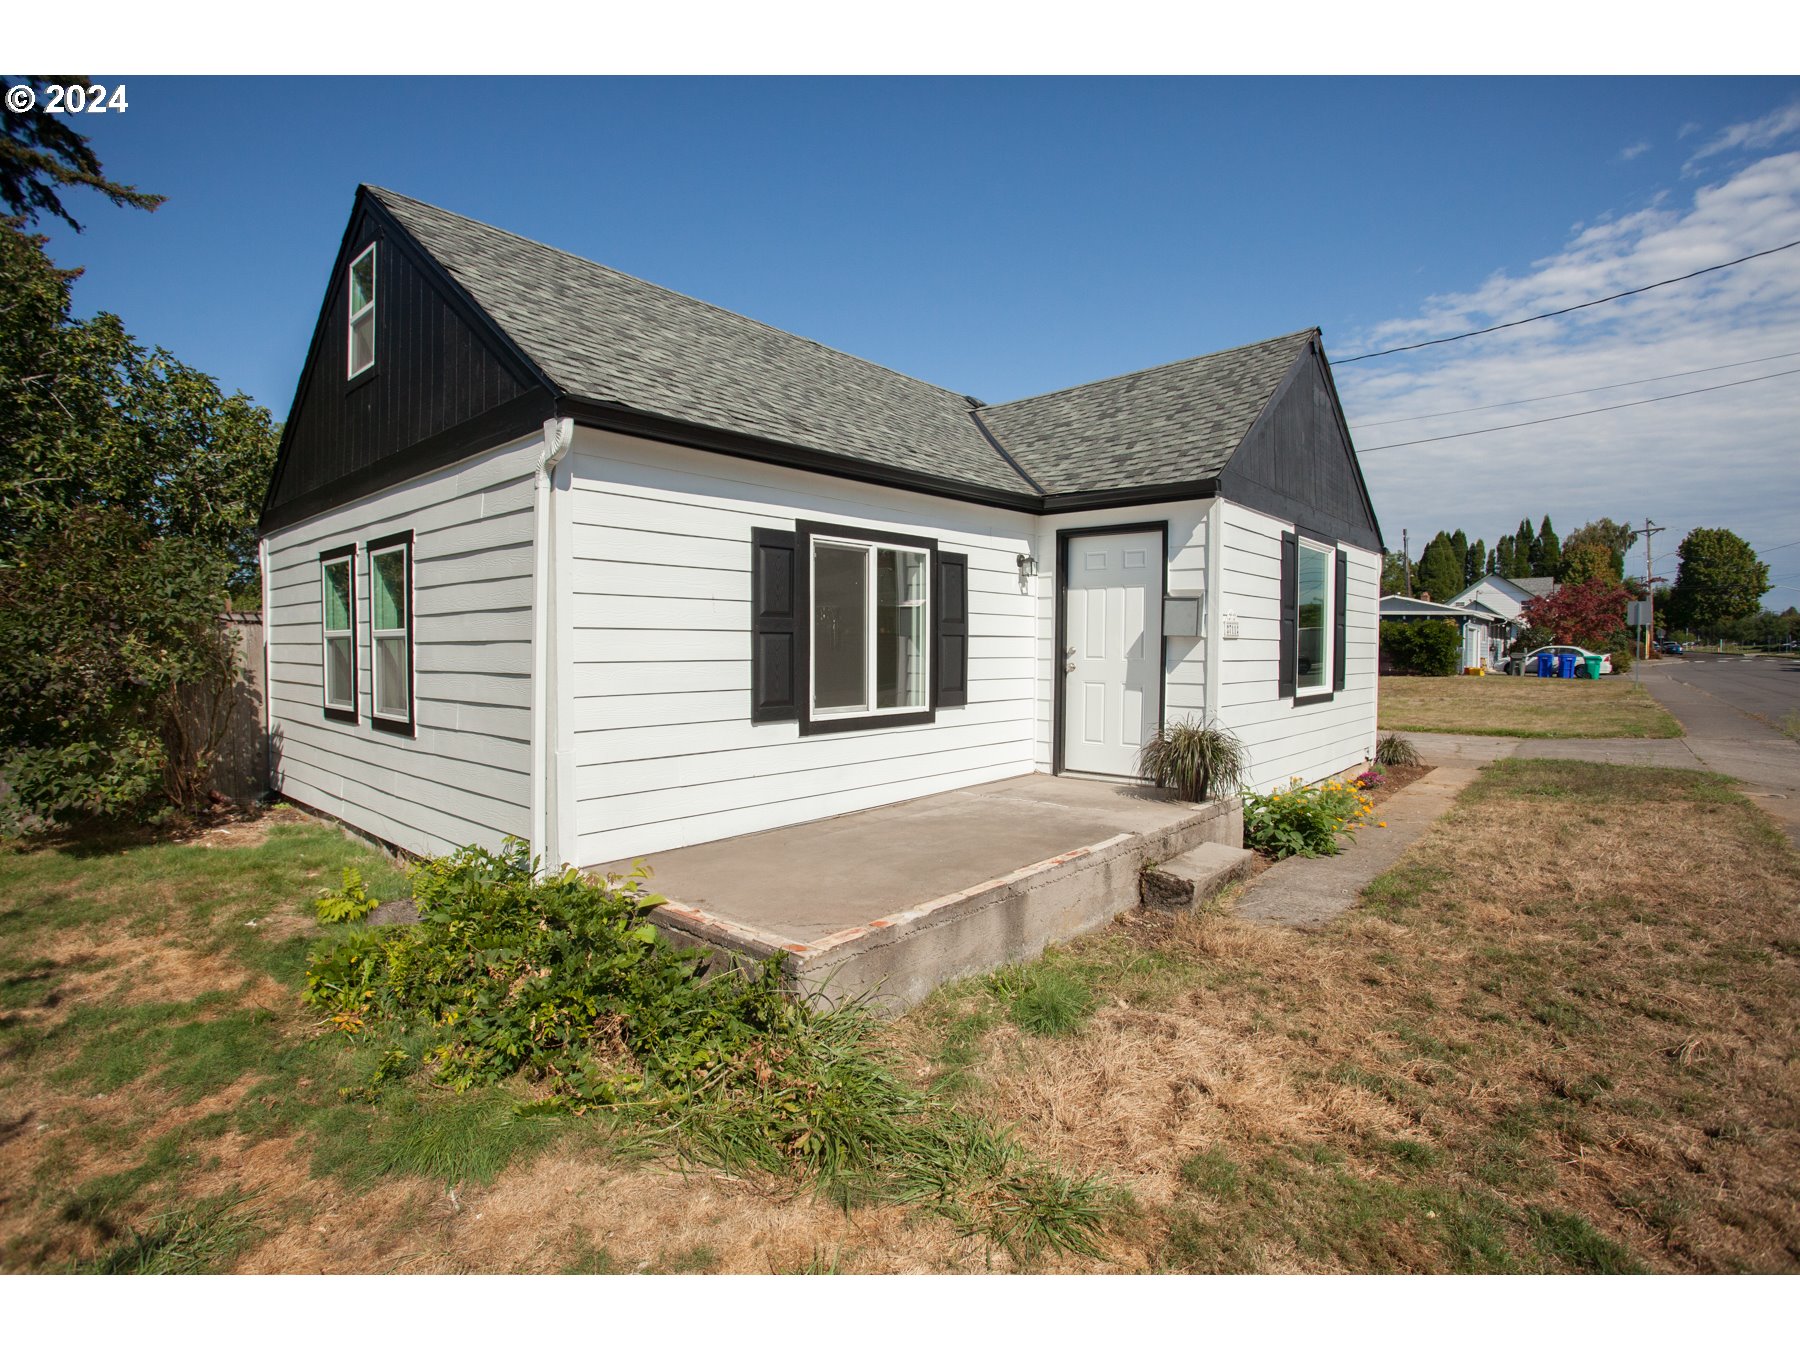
(1550, 1040)
(1499, 705)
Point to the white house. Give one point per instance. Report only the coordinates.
(553, 552)
(1504, 598)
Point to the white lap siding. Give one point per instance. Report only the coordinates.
(665, 752)
(464, 777)
(1184, 658)
(1316, 740)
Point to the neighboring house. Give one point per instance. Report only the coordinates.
(553, 552)
(1504, 596)
(1477, 625)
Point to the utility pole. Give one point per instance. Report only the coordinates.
(1406, 560)
(1650, 528)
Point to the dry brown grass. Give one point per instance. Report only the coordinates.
(1561, 1035)
(1512, 706)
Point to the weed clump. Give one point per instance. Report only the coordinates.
(559, 984)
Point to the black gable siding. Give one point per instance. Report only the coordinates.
(442, 386)
(1297, 464)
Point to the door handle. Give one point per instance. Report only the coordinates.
(1068, 651)
(1070, 667)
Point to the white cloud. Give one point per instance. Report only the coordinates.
(1688, 129)
(1758, 134)
(1730, 457)
(1631, 152)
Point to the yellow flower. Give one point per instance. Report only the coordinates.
(1381, 824)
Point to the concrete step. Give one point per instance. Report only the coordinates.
(1193, 877)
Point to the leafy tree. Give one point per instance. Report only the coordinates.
(1586, 560)
(89, 418)
(1475, 558)
(1588, 613)
(114, 670)
(1617, 539)
(1719, 579)
(1503, 556)
(42, 154)
(1393, 573)
(1440, 570)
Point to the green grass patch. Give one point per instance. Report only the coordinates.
(196, 1239)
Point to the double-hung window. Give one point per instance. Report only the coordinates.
(391, 632)
(362, 312)
(869, 618)
(337, 594)
(1313, 595)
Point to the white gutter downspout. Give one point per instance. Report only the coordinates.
(1213, 684)
(549, 841)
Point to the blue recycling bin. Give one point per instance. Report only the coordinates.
(1546, 665)
(1568, 665)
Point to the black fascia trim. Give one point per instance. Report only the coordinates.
(513, 419)
(1155, 494)
(655, 426)
(1059, 685)
(339, 714)
(390, 724)
(1334, 545)
(804, 531)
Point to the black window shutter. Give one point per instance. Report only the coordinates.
(1338, 608)
(951, 635)
(774, 627)
(1290, 614)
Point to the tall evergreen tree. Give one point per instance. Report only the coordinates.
(1493, 562)
(1546, 561)
(1440, 570)
(1473, 560)
(1503, 556)
(1522, 542)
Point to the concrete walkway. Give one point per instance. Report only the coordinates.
(1310, 892)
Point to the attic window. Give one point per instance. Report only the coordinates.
(362, 312)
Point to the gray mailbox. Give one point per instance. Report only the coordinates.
(1181, 616)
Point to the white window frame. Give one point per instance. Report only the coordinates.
(347, 559)
(379, 718)
(357, 315)
(1328, 654)
(869, 549)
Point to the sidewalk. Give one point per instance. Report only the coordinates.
(1310, 892)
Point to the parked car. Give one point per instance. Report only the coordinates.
(1671, 648)
(1527, 664)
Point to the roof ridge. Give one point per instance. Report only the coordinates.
(1151, 370)
(666, 290)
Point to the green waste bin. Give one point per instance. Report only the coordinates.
(1593, 666)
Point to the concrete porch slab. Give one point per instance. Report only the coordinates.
(898, 899)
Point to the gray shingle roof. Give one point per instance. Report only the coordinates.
(607, 337)
(1170, 424)
(1534, 585)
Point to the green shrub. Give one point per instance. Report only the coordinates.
(348, 905)
(1623, 653)
(1195, 758)
(1307, 821)
(1422, 646)
(114, 671)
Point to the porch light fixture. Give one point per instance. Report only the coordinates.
(1027, 565)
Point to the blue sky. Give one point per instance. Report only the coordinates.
(1009, 236)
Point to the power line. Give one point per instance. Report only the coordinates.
(1585, 412)
(1553, 313)
(1596, 389)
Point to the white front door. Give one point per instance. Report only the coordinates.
(1112, 657)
